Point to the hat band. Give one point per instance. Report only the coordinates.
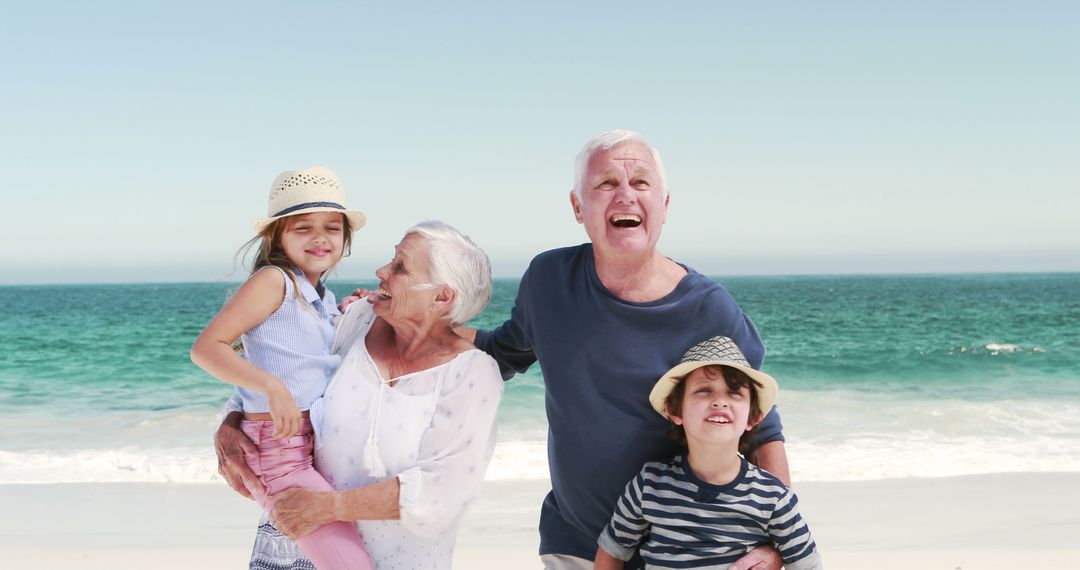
(306, 205)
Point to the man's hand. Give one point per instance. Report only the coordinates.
(297, 512)
(356, 296)
(605, 561)
(760, 558)
(232, 448)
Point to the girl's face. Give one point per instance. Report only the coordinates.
(314, 242)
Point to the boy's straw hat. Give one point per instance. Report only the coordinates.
(717, 350)
(309, 190)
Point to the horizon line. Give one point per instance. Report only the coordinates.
(518, 278)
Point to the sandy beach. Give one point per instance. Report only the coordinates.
(968, 523)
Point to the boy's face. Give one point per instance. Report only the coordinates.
(713, 414)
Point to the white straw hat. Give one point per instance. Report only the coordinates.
(309, 190)
(719, 350)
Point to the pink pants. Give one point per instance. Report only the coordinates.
(286, 464)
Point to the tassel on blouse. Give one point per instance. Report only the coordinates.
(373, 462)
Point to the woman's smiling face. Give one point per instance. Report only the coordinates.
(403, 292)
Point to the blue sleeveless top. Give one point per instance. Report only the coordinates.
(294, 343)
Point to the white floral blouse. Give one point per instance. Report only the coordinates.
(434, 430)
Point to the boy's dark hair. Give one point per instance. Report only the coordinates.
(735, 379)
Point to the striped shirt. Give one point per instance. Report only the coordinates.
(680, 521)
(293, 343)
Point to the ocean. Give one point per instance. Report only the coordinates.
(881, 377)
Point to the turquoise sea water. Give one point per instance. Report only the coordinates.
(882, 376)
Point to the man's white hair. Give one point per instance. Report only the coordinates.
(458, 262)
(605, 141)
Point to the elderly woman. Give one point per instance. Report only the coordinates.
(408, 421)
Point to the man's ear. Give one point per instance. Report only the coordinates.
(575, 203)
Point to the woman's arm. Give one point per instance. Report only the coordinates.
(256, 300)
(450, 465)
(232, 446)
(456, 447)
(297, 512)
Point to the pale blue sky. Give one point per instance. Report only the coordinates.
(139, 139)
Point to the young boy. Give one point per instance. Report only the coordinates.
(708, 509)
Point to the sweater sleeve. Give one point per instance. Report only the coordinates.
(770, 429)
(628, 527)
(509, 343)
(456, 449)
(789, 533)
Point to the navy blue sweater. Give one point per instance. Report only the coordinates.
(600, 357)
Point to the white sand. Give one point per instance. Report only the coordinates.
(967, 523)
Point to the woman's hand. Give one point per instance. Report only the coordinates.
(232, 448)
(297, 512)
(283, 409)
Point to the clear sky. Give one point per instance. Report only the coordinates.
(138, 140)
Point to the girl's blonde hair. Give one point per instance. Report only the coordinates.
(268, 250)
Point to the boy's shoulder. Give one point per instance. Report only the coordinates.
(661, 470)
(763, 478)
(664, 465)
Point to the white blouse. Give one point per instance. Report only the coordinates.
(433, 429)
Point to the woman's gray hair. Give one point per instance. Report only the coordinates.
(458, 262)
(604, 141)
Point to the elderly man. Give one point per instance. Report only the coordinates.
(606, 319)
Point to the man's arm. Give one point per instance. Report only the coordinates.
(605, 561)
(510, 343)
(772, 457)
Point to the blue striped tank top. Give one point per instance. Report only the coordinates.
(294, 343)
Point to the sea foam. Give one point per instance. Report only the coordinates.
(124, 465)
(838, 438)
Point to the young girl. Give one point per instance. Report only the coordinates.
(284, 317)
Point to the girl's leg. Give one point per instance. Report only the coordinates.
(287, 464)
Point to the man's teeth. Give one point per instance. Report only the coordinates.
(383, 293)
(625, 220)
